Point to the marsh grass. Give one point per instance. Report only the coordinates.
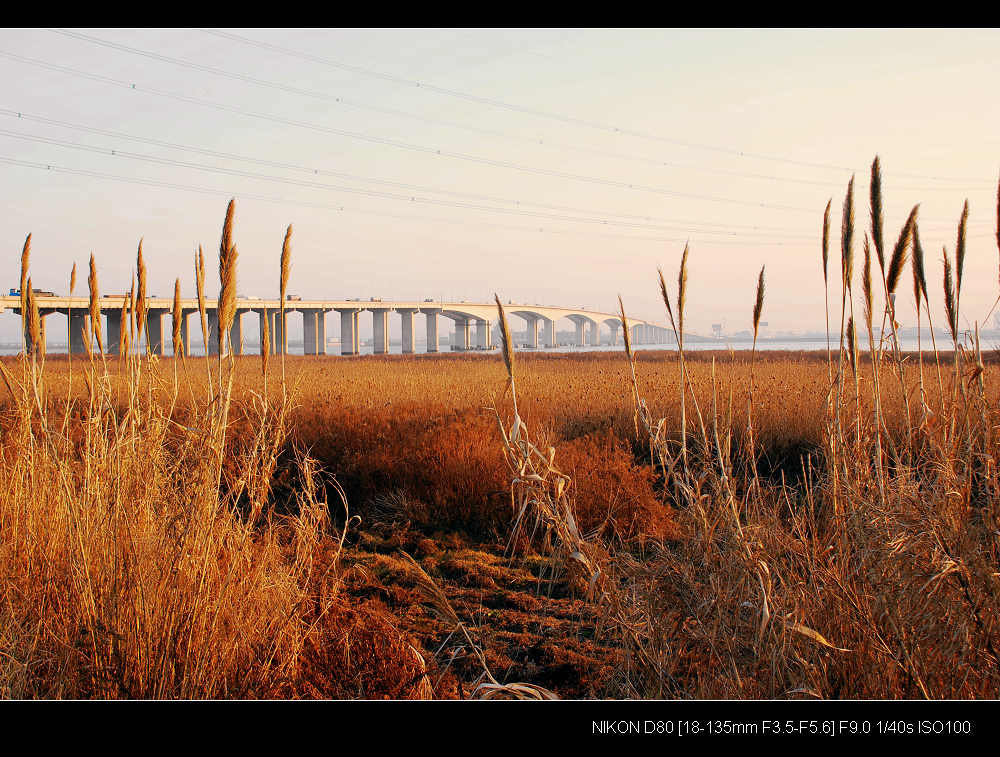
(870, 574)
(144, 553)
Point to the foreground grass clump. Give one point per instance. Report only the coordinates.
(870, 572)
(144, 553)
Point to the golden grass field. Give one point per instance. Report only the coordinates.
(530, 526)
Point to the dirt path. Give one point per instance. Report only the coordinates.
(529, 631)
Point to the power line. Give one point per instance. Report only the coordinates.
(141, 181)
(402, 185)
(353, 190)
(488, 132)
(585, 215)
(398, 143)
(551, 115)
(55, 168)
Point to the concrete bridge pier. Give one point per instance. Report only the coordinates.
(349, 343)
(320, 332)
(595, 334)
(113, 337)
(580, 340)
(79, 322)
(532, 322)
(484, 340)
(462, 341)
(236, 333)
(154, 331)
(212, 348)
(380, 327)
(432, 329)
(406, 314)
(313, 332)
(186, 330)
(549, 333)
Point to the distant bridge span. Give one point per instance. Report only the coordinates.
(541, 322)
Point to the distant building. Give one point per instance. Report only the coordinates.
(717, 330)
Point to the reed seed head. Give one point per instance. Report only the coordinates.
(25, 260)
(95, 304)
(867, 283)
(506, 343)
(960, 252)
(758, 305)
(72, 279)
(949, 297)
(286, 263)
(265, 342)
(123, 328)
(876, 212)
(199, 278)
(34, 321)
(852, 341)
(682, 280)
(178, 319)
(625, 329)
(140, 302)
(847, 238)
(826, 238)
(900, 252)
(919, 277)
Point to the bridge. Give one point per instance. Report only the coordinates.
(473, 322)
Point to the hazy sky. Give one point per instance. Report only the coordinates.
(430, 163)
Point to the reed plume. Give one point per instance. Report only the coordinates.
(826, 238)
(899, 253)
(682, 279)
(199, 278)
(876, 212)
(123, 328)
(826, 284)
(265, 345)
(140, 300)
(866, 283)
(949, 298)
(758, 307)
(178, 320)
(69, 321)
(227, 296)
(625, 328)
(758, 303)
(95, 305)
(25, 259)
(960, 254)
(506, 343)
(227, 279)
(34, 322)
(852, 343)
(286, 267)
(919, 277)
(847, 239)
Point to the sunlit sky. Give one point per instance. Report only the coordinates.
(551, 166)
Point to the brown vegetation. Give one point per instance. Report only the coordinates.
(659, 524)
